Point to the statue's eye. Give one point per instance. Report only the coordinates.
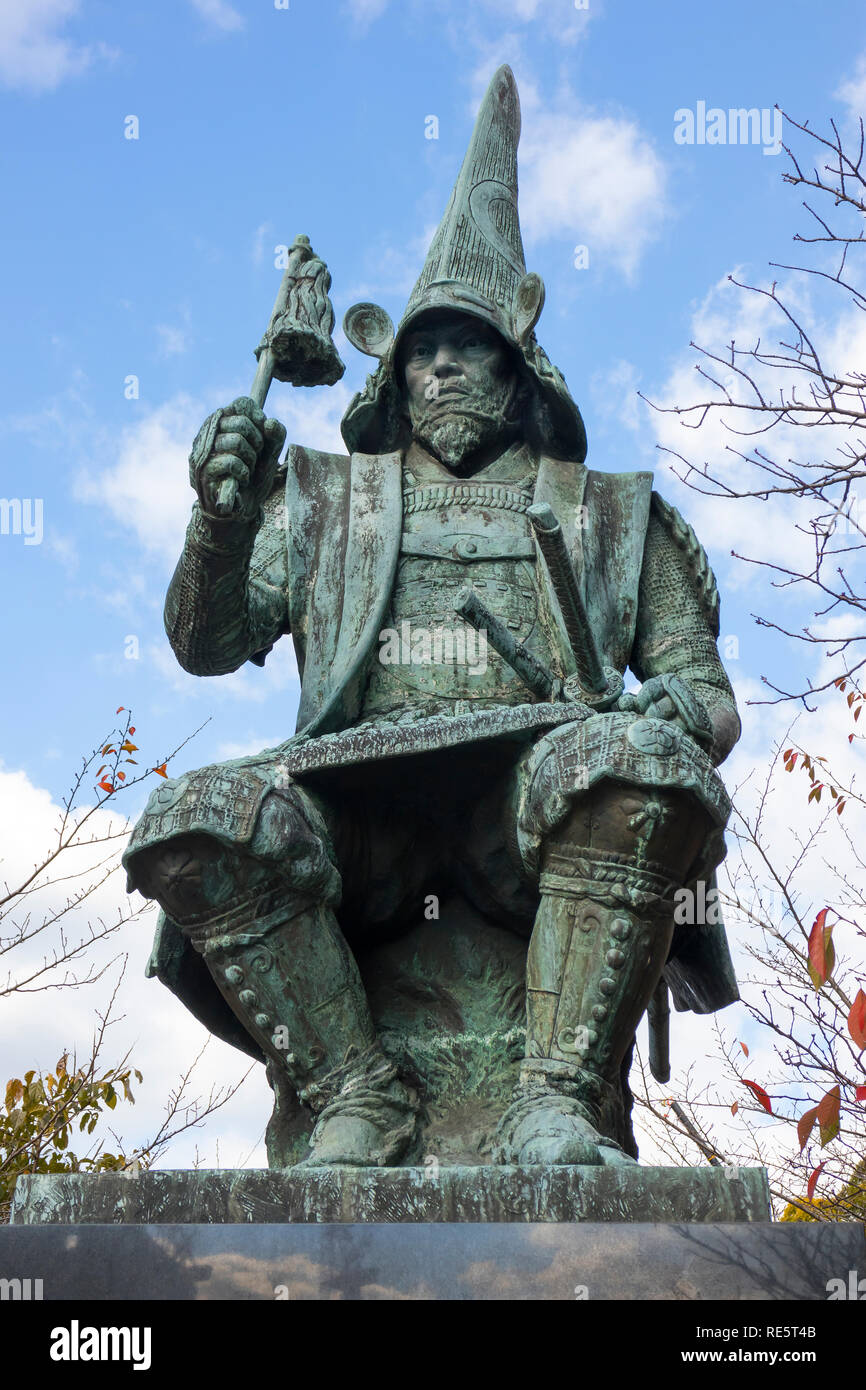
(419, 350)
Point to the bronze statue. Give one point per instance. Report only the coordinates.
(473, 827)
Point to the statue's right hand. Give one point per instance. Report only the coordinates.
(235, 445)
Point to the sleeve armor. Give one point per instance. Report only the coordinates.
(227, 601)
(678, 620)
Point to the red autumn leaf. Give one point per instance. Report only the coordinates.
(813, 1181)
(119, 709)
(107, 785)
(805, 1125)
(760, 1094)
(857, 1020)
(828, 1115)
(131, 729)
(161, 770)
(860, 1093)
(107, 749)
(822, 954)
(745, 1049)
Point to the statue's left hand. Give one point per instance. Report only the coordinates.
(669, 697)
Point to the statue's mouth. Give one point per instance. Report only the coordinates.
(447, 394)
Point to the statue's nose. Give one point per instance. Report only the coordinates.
(445, 361)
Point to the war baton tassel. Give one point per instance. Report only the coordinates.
(297, 346)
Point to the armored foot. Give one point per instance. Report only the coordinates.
(367, 1116)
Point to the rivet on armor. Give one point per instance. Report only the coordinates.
(599, 1012)
(235, 975)
(262, 1021)
(247, 997)
(607, 986)
(619, 929)
(615, 959)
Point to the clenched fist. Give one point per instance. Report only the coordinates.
(234, 459)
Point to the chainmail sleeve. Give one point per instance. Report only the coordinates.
(227, 602)
(678, 621)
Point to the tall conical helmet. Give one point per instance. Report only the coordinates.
(475, 265)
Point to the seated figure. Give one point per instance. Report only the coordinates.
(473, 832)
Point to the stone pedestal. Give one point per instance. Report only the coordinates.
(431, 1194)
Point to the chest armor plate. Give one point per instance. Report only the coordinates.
(453, 535)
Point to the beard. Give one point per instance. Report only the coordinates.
(458, 423)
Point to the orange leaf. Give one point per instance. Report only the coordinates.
(161, 770)
(119, 709)
(735, 1107)
(121, 776)
(828, 1115)
(760, 1094)
(857, 1020)
(107, 785)
(813, 1181)
(745, 1049)
(822, 955)
(805, 1125)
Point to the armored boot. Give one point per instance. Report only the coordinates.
(283, 966)
(298, 993)
(600, 942)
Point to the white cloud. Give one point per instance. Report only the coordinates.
(264, 234)
(220, 14)
(34, 54)
(147, 490)
(852, 90)
(594, 179)
(614, 394)
(173, 340)
(560, 20)
(365, 12)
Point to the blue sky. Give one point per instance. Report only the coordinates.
(154, 257)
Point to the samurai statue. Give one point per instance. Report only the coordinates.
(469, 782)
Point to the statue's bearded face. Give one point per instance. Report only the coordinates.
(463, 393)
